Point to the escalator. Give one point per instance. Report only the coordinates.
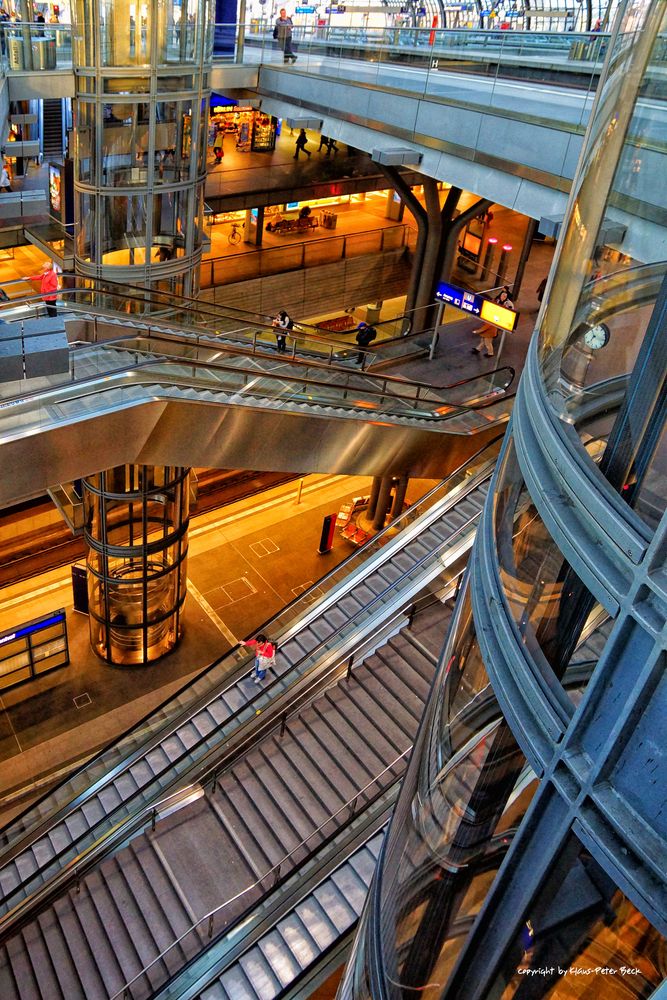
(135, 399)
(188, 757)
(206, 865)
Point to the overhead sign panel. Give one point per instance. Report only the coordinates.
(477, 305)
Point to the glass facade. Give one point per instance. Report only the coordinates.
(140, 140)
(136, 529)
(526, 855)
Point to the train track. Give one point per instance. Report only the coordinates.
(36, 551)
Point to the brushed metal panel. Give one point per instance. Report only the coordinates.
(184, 432)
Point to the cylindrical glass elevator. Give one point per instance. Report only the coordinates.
(136, 528)
(142, 83)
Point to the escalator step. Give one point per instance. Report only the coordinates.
(76, 823)
(173, 747)
(388, 572)
(298, 939)
(216, 991)
(316, 921)
(188, 735)
(322, 629)
(279, 957)
(60, 838)
(364, 865)
(42, 851)
(260, 974)
(351, 887)
(9, 879)
(236, 986)
(92, 810)
(204, 723)
(338, 911)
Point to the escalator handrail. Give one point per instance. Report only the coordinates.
(455, 409)
(274, 869)
(31, 833)
(203, 768)
(66, 293)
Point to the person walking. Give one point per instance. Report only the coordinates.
(48, 279)
(281, 324)
(324, 143)
(487, 332)
(282, 32)
(265, 655)
(365, 335)
(331, 147)
(5, 182)
(301, 141)
(218, 143)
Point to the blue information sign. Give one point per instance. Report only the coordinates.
(459, 298)
(33, 627)
(477, 305)
(305, 10)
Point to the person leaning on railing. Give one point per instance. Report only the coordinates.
(48, 279)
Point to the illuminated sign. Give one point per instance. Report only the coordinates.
(459, 298)
(33, 627)
(506, 319)
(477, 305)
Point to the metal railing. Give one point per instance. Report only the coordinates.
(265, 261)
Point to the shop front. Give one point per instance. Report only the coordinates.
(253, 130)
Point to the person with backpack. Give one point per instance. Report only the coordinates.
(282, 32)
(281, 324)
(265, 655)
(300, 146)
(365, 335)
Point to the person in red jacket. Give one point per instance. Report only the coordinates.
(265, 654)
(48, 286)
